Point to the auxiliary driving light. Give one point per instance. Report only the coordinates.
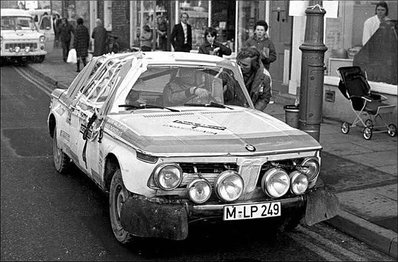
(310, 167)
(167, 176)
(275, 182)
(17, 49)
(27, 49)
(298, 183)
(199, 191)
(229, 186)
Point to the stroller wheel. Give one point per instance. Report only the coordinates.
(345, 128)
(392, 130)
(369, 123)
(367, 133)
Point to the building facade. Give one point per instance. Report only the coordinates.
(235, 20)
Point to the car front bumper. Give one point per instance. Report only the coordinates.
(144, 217)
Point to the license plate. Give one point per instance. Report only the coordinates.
(241, 212)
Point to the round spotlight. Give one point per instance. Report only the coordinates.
(168, 176)
(275, 182)
(199, 191)
(229, 186)
(310, 167)
(299, 183)
(17, 49)
(27, 49)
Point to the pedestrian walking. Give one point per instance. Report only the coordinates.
(181, 36)
(162, 33)
(256, 77)
(56, 24)
(212, 47)
(100, 36)
(81, 43)
(146, 39)
(65, 35)
(261, 41)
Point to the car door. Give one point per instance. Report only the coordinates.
(46, 27)
(94, 148)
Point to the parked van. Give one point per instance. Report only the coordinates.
(45, 24)
(20, 39)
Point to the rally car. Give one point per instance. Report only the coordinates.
(168, 157)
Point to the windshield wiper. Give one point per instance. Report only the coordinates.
(148, 106)
(211, 104)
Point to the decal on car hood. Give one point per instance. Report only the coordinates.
(206, 132)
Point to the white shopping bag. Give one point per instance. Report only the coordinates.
(72, 56)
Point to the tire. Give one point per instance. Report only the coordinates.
(392, 130)
(345, 128)
(117, 195)
(61, 160)
(367, 133)
(40, 59)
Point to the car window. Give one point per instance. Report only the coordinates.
(166, 85)
(17, 23)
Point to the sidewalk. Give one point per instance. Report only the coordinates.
(362, 173)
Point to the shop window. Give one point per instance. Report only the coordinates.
(248, 14)
(223, 19)
(198, 12)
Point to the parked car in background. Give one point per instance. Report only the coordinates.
(169, 155)
(20, 39)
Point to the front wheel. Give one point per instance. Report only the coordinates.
(61, 160)
(367, 133)
(117, 196)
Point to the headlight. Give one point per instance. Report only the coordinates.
(27, 49)
(199, 191)
(298, 183)
(167, 176)
(275, 182)
(310, 168)
(229, 186)
(42, 39)
(17, 49)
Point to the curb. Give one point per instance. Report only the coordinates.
(49, 79)
(382, 239)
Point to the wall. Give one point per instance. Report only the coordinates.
(121, 22)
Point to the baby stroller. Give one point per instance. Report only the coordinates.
(355, 87)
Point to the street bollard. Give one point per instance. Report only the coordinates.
(292, 115)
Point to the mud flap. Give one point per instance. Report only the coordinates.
(321, 205)
(144, 218)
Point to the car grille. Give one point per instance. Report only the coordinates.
(21, 45)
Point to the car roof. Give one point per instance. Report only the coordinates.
(14, 12)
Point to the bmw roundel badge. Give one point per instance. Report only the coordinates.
(250, 148)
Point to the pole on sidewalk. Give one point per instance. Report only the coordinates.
(312, 71)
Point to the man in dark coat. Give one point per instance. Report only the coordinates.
(181, 36)
(100, 38)
(65, 35)
(81, 43)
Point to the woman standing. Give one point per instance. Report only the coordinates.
(81, 43)
(146, 38)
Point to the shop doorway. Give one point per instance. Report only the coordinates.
(280, 32)
(223, 13)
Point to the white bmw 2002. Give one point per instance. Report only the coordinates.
(168, 158)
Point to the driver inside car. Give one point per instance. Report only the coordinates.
(184, 87)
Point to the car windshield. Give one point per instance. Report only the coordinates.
(17, 23)
(169, 86)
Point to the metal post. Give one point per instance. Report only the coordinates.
(312, 71)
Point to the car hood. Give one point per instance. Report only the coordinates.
(20, 34)
(213, 132)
